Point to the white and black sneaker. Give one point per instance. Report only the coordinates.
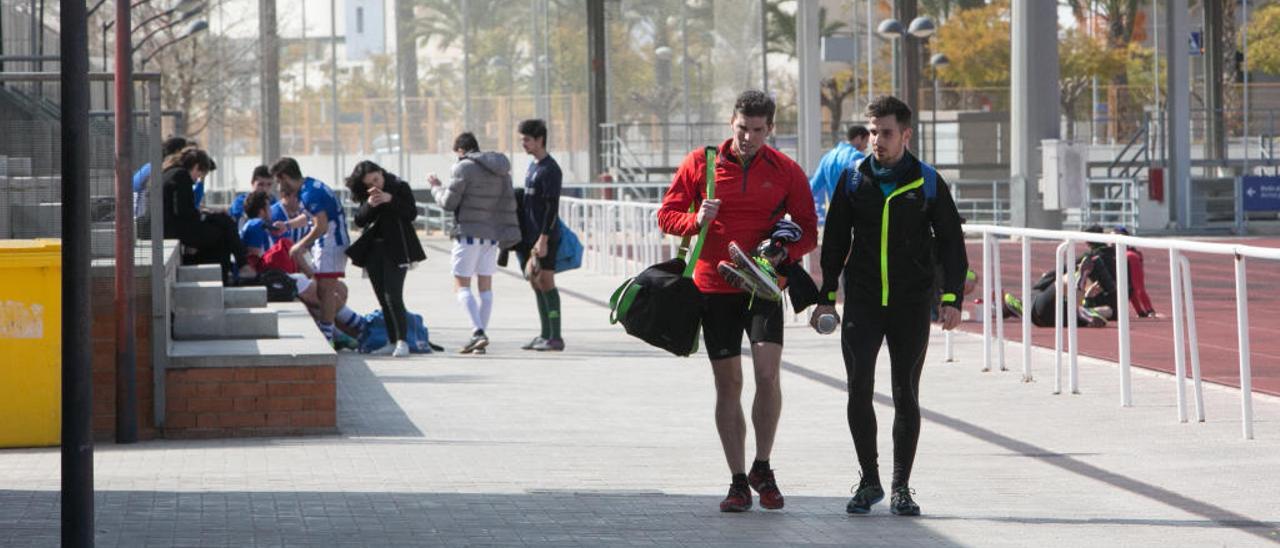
(477, 343)
(537, 341)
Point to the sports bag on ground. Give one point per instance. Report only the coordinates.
(661, 305)
(374, 335)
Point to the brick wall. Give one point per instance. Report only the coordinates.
(104, 358)
(250, 401)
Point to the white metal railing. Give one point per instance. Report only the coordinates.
(618, 238)
(1181, 292)
(622, 238)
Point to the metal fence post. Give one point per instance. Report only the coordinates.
(1026, 316)
(1059, 257)
(1122, 316)
(997, 301)
(1073, 327)
(1179, 359)
(1242, 328)
(986, 301)
(1189, 305)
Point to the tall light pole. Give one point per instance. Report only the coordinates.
(77, 374)
(333, 87)
(663, 56)
(270, 78)
(126, 351)
(921, 28)
(937, 61)
(871, 67)
(891, 29)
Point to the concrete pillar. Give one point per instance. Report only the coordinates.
(1178, 174)
(1035, 111)
(270, 50)
(597, 87)
(809, 100)
(1215, 145)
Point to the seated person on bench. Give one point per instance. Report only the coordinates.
(212, 235)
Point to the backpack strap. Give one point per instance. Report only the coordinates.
(702, 234)
(853, 180)
(930, 176)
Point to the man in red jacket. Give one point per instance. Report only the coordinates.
(755, 187)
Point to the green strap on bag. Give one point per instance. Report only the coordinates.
(622, 297)
(702, 234)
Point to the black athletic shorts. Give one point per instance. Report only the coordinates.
(548, 261)
(726, 316)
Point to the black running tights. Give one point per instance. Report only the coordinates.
(387, 279)
(905, 327)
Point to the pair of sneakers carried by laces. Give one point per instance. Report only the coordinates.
(756, 273)
(869, 493)
(761, 479)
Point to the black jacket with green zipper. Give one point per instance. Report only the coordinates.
(885, 245)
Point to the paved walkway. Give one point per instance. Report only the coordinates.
(612, 443)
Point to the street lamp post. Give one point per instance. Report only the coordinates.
(663, 55)
(922, 28)
(937, 61)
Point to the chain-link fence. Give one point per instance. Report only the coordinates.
(30, 165)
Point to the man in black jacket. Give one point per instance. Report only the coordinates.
(886, 216)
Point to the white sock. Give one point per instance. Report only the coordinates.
(327, 329)
(468, 302)
(350, 318)
(486, 308)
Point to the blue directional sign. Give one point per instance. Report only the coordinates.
(1260, 193)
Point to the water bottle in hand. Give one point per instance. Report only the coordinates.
(827, 324)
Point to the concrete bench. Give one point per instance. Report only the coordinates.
(253, 387)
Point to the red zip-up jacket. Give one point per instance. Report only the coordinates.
(752, 200)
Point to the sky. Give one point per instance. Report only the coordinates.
(288, 13)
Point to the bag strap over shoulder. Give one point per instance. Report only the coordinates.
(702, 234)
(930, 176)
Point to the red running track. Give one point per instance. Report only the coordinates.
(1151, 339)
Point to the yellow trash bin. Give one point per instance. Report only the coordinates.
(31, 342)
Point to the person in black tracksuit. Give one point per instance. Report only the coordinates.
(881, 234)
(388, 243)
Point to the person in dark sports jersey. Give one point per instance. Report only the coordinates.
(541, 207)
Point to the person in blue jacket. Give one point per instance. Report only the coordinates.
(833, 163)
(263, 182)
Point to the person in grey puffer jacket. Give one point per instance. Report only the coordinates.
(483, 201)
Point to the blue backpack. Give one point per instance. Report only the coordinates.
(569, 254)
(927, 171)
(374, 335)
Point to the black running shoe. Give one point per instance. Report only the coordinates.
(866, 495)
(901, 504)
